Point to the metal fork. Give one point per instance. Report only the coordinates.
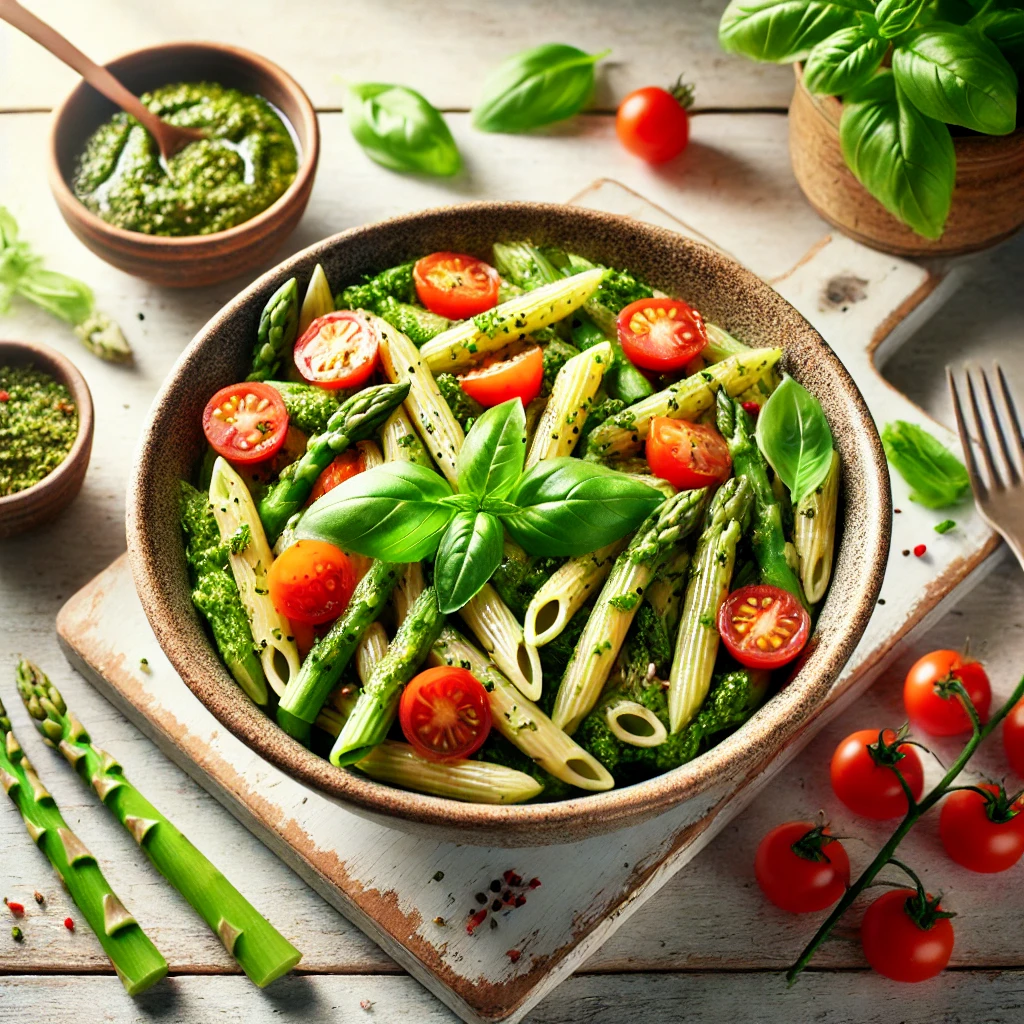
(999, 490)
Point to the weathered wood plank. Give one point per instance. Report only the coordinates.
(445, 54)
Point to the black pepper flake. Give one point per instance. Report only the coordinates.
(906, 552)
(496, 906)
(438, 875)
(881, 600)
(480, 898)
(496, 885)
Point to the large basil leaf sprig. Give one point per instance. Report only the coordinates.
(785, 30)
(794, 436)
(402, 512)
(399, 129)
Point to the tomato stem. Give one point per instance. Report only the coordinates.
(914, 812)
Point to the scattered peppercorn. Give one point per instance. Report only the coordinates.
(496, 885)
(39, 898)
(906, 551)
(534, 883)
(141, 316)
(881, 600)
(16, 934)
(69, 924)
(514, 955)
(511, 878)
(438, 875)
(17, 909)
(440, 922)
(475, 921)
(496, 906)
(752, 408)
(366, 1004)
(920, 550)
(897, 510)
(494, 923)
(480, 898)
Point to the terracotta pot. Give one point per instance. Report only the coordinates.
(173, 444)
(988, 201)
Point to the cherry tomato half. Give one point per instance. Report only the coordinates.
(337, 350)
(1013, 737)
(653, 124)
(346, 465)
(801, 868)
(897, 946)
(661, 334)
(246, 422)
(869, 788)
(934, 713)
(454, 285)
(311, 581)
(445, 713)
(973, 839)
(517, 377)
(687, 454)
(763, 626)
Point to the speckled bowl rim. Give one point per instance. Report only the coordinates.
(780, 721)
(64, 372)
(308, 158)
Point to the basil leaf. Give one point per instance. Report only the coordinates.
(399, 129)
(903, 158)
(492, 456)
(784, 30)
(794, 436)
(536, 87)
(569, 507)
(847, 59)
(390, 512)
(1006, 30)
(471, 549)
(958, 77)
(894, 17)
(937, 478)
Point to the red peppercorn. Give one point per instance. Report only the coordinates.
(476, 920)
(5, 396)
(534, 883)
(15, 908)
(69, 924)
(752, 408)
(920, 549)
(514, 955)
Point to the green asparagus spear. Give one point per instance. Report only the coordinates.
(375, 709)
(261, 951)
(137, 961)
(304, 695)
(768, 541)
(309, 408)
(357, 419)
(279, 324)
(215, 593)
(710, 573)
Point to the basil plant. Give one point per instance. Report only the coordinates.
(906, 70)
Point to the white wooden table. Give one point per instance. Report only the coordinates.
(707, 947)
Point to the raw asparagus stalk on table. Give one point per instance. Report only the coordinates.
(768, 539)
(261, 951)
(277, 331)
(357, 419)
(137, 961)
(306, 694)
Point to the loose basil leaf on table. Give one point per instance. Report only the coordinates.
(903, 158)
(958, 77)
(794, 436)
(470, 550)
(568, 507)
(394, 512)
(399, 129)
(894, 17)
(937, 478)
(843, 61)
(536, 87)
(493, 454)
(785, 30)
(1006, 30)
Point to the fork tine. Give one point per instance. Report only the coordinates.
(1016, 434)
(995, 480)
(977, 483)
(1009, 467)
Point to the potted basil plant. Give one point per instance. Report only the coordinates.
(903, 126)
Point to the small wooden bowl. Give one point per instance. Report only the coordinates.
(988, 199)
(203, 259)
(48, 498)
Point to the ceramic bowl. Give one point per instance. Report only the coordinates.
(203, 259)
(45, 500)
(726, 294)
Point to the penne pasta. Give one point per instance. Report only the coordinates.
(373, 645)
(814, 533)
(635, 724)
(400, 441)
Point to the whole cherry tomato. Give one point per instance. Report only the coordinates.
(984, 834)
(653, 123)
(938, 713)
(1013, 737)
(863, 774)
(903, 939)
(801, 868)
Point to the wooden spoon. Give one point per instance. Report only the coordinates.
(170, 138)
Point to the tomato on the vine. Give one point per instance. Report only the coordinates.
(930, 703)
(337, 350)
(863, 773)
(246, 422)
(763, 626)
(982, 833)
(343, 467)
(662, 335)
(687, 454)
(1013, 737)
(904, 938)
(653, 123)
(801, 868)
(454, 285)
(519, 376)
(445, 713)
(311, 581)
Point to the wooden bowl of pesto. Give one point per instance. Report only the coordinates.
(228, 203)
(46, 426)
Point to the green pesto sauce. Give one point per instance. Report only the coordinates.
(38, 426)
(214, 184)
